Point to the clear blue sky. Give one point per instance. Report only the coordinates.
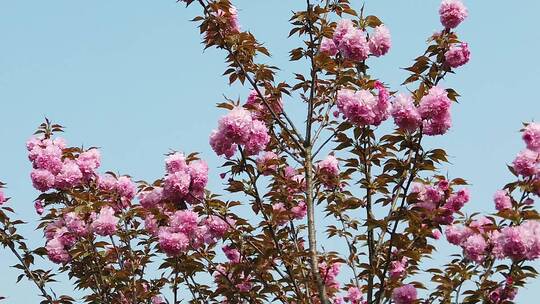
(132, 78)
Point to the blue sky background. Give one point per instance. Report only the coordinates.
(132, 78)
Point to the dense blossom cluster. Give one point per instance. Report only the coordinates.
(452, 13)
(405, 114)
(352, 43)
(520, 241)
(434, 109)
(239, 128)
(52, 170)
(457, 55)
(362, 108)
(187, 230)
(63, 233)
(405, 294)
(439, 200)
(185, 222)
(181, 230)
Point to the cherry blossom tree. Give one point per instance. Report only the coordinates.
(356, 170)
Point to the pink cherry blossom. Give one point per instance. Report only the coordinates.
(328, 47)
(531, 136)
(405, 294)
(452, 13)
(405, 114)
(380, 41)
(105, 222)
(457, 55)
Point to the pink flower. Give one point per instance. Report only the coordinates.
(38, 206)
(457, 55)
(361, 107)
(42, 180)
(172, 243)
(56, 251)
(267, 163)
(329, 274)
(398, 268)
(175, 162)
(354, 295)
(75, 224)
(435, 111)
(405, 294)
(105, 222)
(474, 247)
(328, 47)
(502, 200)
(70, 176)
(452, 13)
(299, 211)
(481, 224)
(456, 234)
(238, 128)
(221, 144)
(184, 221)
(457, 200)
(518, 242)
(231, 253)
(151, 198)
(126, 188)
(335, 300)
(48, 158)
(106, 183)
(258, 107)
(526, 163)
(157, 300)
(343, 27)
(245, 285)
(380, 41)
(89, 161)
(217, 227)
(230, 18)
(176, 185)
(531, 136)
(405, 114)
(235, 126)
(198, 170)
(151, 224)
(258, 138)
(436, 234)
(328, 170)
(354, 45)
(2, 197)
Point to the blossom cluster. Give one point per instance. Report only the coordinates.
(520, 241)
(439, 200)
(452, 13)
(186, 230)
(527, 162)
(353, 44)
(239, 128)
(176, 228)
(52, 170)
(118, 191)
(433, 112)
(362, 108)
(63, 233)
